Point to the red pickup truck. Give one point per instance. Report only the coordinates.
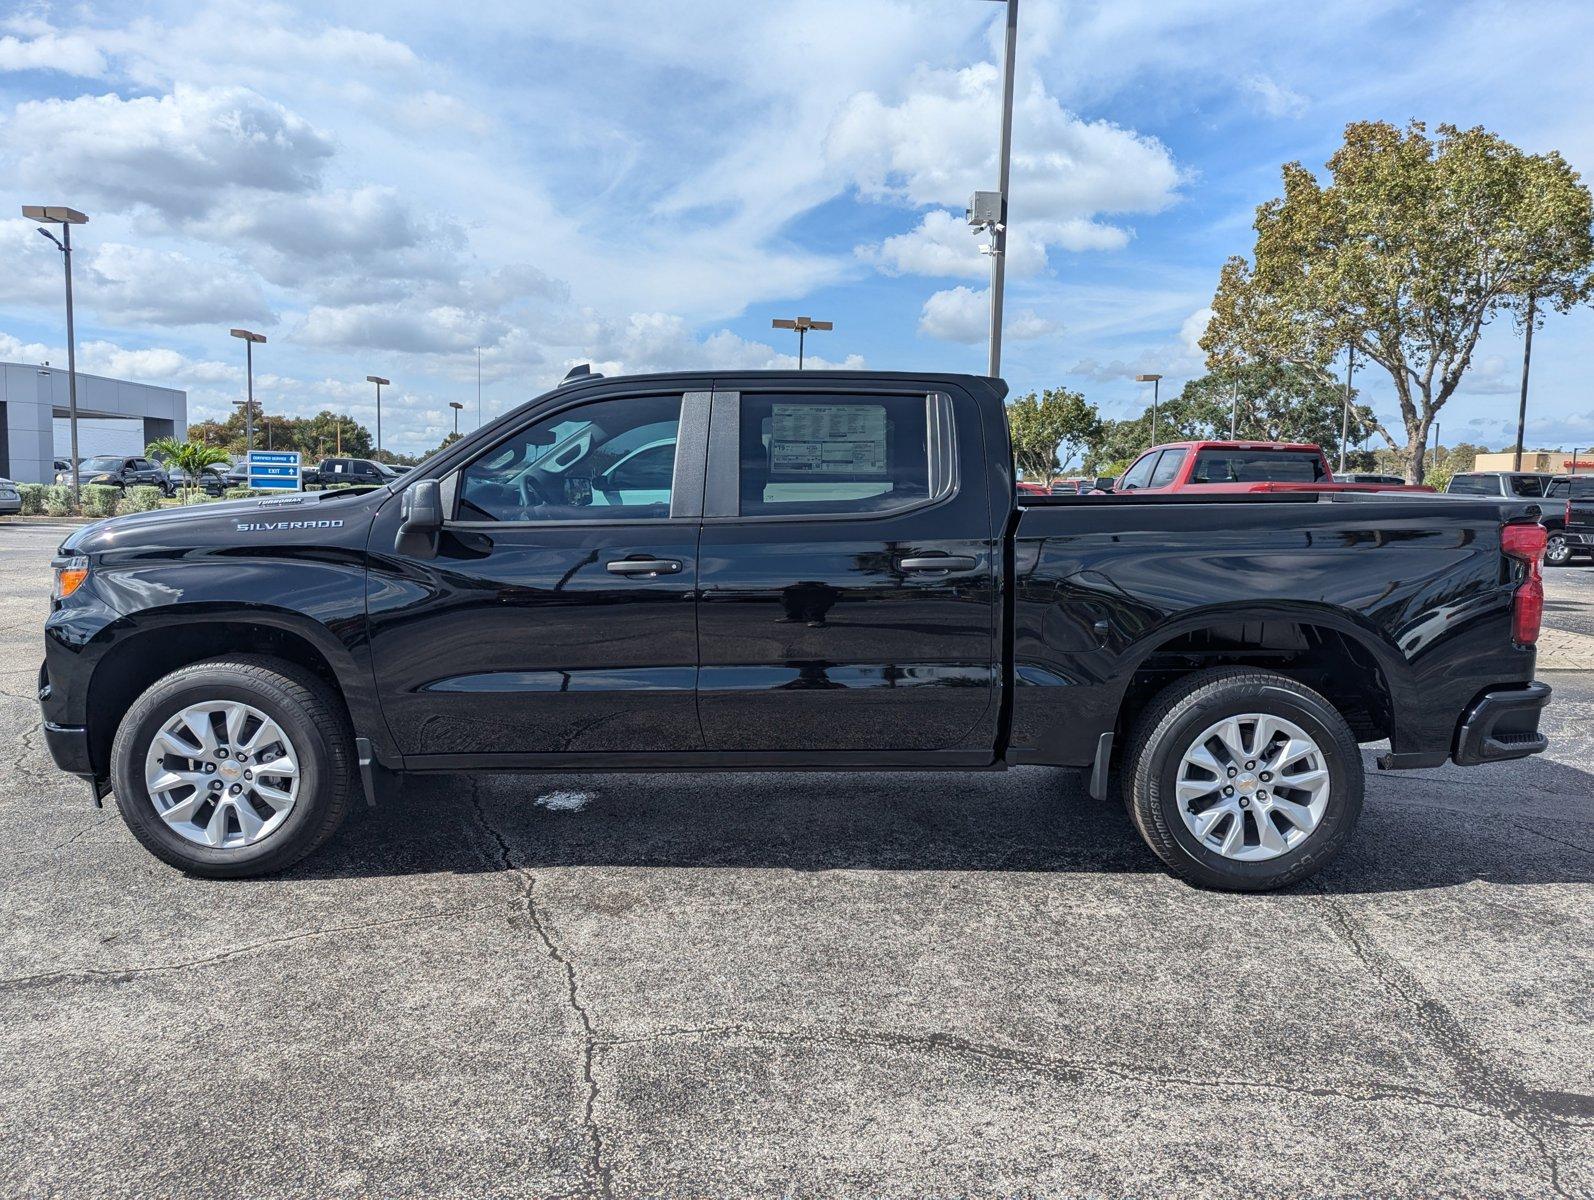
(1241, 467)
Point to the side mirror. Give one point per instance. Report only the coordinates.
(421, 519)
(1104, 483)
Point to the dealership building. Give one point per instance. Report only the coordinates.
(115, 416)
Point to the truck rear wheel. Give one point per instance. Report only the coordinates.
(234, 767)
(1242, 780)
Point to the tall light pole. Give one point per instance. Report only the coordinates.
(478, 387)
(456, 406)
(249, 340)
(802, 325)
(1527, 357)
(1344, 416)
(379, 381)
(988, 210)
(1156, 383)
(50, 214)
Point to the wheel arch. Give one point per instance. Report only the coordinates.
(158, 645)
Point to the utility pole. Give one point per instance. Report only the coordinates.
(478, 387)
(802, 325)
(999, 234)
(249, 340)
(379, 381)
(1234, 409)
(65, 218)
(1344, 418)
(1156, 384)
(1527, 357)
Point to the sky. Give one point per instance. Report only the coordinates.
(385, 188)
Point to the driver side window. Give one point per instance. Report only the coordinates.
(603, 461)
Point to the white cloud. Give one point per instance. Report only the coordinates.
(180, 154)
(51, 52)
(1274, 98)
(963, 315)
(156, 365)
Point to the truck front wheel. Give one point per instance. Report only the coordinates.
(1242, 780)
(233, 768)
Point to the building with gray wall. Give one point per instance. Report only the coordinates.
(32, 397)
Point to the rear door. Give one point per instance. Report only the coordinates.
(848, 576)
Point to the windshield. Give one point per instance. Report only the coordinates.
(105, 462)
(1258, 466)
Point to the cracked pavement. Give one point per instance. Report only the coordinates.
(807, 985)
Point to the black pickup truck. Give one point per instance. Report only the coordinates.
(786, 570)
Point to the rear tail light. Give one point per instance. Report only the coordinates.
(1567, 520)
(1525, 543)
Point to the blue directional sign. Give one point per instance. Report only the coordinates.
(274, 469)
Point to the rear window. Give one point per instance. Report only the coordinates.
(1577, 489)
(1526, 485)
(1474, 485)
(1258, 466)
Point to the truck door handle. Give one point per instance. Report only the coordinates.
(650, 568)
(939, 562)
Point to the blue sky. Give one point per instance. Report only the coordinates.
(382, 188)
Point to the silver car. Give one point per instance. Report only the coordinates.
(10, 498)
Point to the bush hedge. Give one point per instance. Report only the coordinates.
(100, 500)
(57, 501)
(32, 498)
(142, 499)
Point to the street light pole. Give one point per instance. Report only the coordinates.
(999, 232)
(1156, 384)
(249, 340)
(1234, 408)
(802, 325)
(478, 387)
(65, 218)
(1344, 418)
(456, 406)
(379, 381)
(1527, 357)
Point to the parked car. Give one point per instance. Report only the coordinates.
(1239, 467)
(1498, 483)
(115, 470)
(10, 498)
(212, 480)
(1071, 487)
(1029, 487)
(778, 570)
(353, 472)
(1569, 518)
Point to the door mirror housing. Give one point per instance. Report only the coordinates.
(421, 519)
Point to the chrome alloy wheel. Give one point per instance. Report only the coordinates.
(222, 774)
(1252, 787)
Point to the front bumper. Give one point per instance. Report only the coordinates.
(1501, 724)
(69, 746)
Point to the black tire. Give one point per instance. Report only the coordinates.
(1557, 551)
(307, 711)
(1167, 727)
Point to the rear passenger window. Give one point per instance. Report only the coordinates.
(1167, 468)
(830, 454)
(1474, 485)
(1526, 485)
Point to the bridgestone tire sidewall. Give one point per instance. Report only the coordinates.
(163, 701)
(1340, 753)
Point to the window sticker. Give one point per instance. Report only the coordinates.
(828, 439)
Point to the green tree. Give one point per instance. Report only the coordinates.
(1278, 402)
(1411, 249)
(189, 457)
(1050, 430)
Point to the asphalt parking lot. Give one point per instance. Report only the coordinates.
(874, 985)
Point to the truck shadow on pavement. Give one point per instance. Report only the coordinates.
(1513, 823)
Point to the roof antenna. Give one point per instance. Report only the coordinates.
(579, 371)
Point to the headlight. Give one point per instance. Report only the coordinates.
(70, 572)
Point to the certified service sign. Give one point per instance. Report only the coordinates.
(277, 469)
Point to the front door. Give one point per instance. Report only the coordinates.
(558, 616)
(849, 583)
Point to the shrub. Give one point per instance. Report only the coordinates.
(100, 500)
(245, 493)
(57, 500)
(32, 498)
(142, 499)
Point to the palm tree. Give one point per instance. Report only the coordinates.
(191, 458)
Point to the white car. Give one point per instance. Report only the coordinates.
(10, 498)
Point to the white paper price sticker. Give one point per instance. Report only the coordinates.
(828, 439)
